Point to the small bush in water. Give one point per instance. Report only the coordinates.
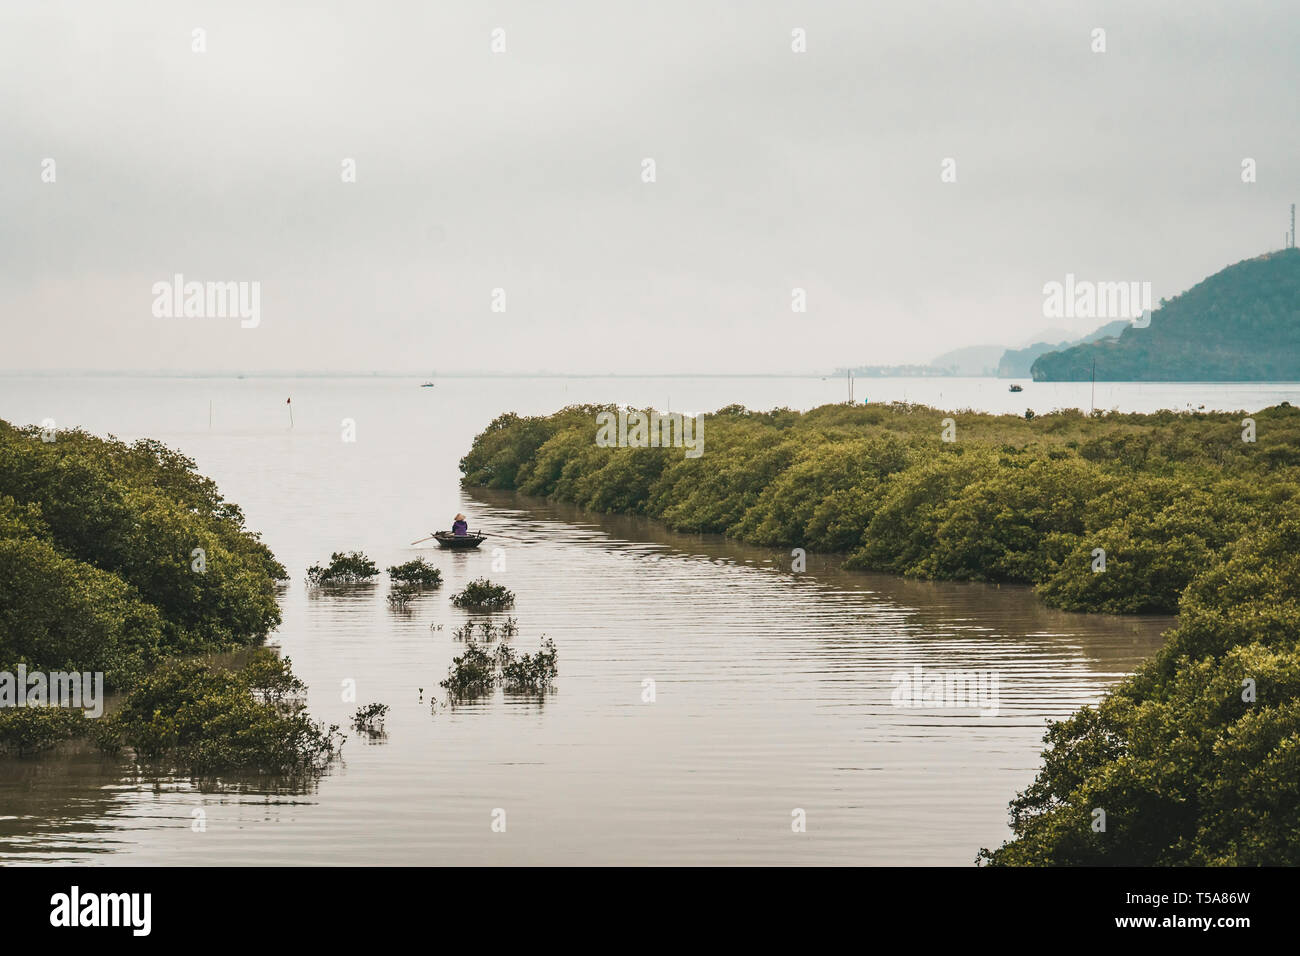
(417, 572)
(400, 595)
(370, 719)
(343, 568)
(471, 674)
(478, 671)
(527, 672)
(488, 632)
(483, 595)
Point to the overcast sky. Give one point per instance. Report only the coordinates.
(523, 171)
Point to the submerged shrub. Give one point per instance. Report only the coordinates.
(29, 730)
(400, 595)
(483, 595)
(478, 671)
(204, 717)
(349, 568)
(417, 572)
(410, 579)
(487, 630)
(527, 672)
(370, 719)
(472, 674)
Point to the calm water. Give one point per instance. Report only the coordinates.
(772, 690)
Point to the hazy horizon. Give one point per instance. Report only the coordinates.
(522, 170)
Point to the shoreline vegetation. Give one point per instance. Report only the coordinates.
(122, 559)
(1195, 758)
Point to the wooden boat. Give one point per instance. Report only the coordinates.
(446, 539)
(1016, 388)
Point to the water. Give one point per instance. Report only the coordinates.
(772, 690)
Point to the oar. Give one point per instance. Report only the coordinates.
(423, 539)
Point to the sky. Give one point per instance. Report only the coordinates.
(222, 157)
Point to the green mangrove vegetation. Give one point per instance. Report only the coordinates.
(369, 719)
(121, 559)
(418, 572)
(478, 670)
(114, 556)
(410, 579)
(487, 630)
(203, 717)
(1193, 759)
(350, 568)
(472, 673)
(482, 595)
(31, 730)
(528, 673)
(1009, 500)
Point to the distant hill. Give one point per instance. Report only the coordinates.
(1240, 325)
(975, 360)
(1016, 363)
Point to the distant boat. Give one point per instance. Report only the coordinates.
(1016, 388)
(428, 385)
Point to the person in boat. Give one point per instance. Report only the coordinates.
(460, 527)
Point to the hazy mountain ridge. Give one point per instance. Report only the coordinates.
(1017, 363)
(986, 361)
(977, 360)
(1241, 324)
